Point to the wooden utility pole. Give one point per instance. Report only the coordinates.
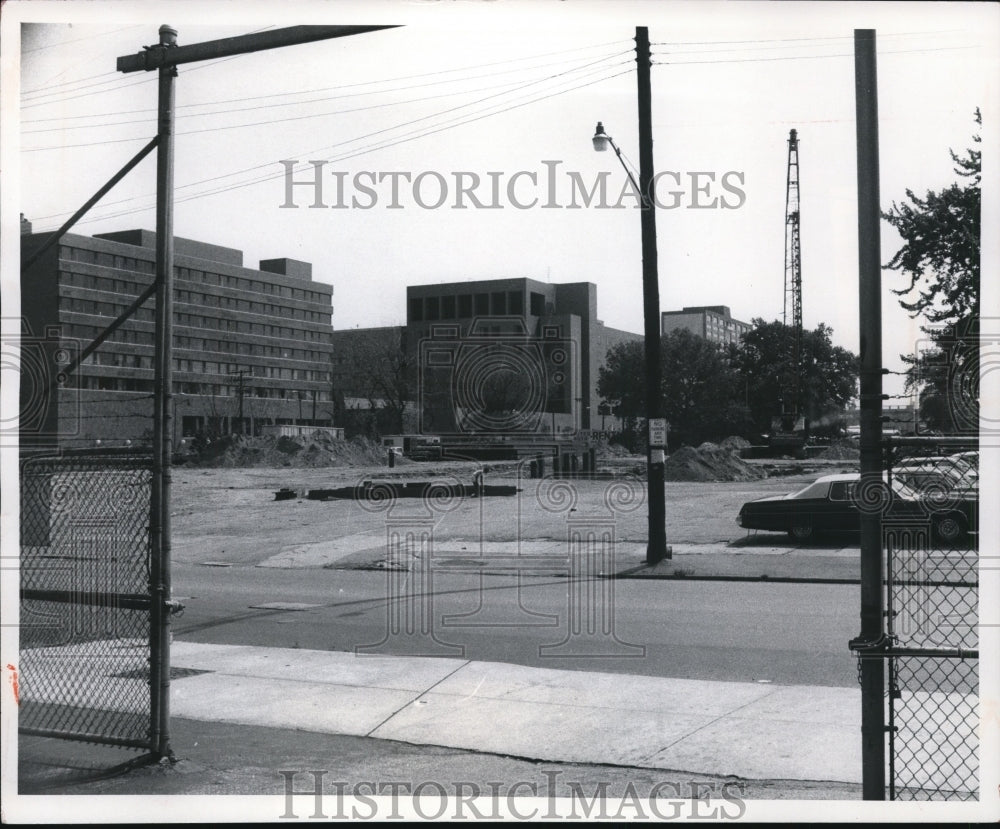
(657, 549)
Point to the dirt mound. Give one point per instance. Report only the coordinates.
(841, 450)
(735, 442)
(319, 450)
(709, 463)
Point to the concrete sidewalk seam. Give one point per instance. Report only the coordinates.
(708, 725)
(417, 697)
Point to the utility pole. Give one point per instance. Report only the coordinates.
(164, 58)
(159, 572)
(238, 374)
(657, 549)
(871, 641)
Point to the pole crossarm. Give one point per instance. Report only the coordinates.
(156, 57)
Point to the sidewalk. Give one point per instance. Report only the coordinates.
(512, 714)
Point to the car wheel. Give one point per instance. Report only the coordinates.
(801, 532)
(950, 528)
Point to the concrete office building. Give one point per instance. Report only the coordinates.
(465, 335)
(251, 346)
(713, 322)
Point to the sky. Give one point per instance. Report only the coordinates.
(508, 94)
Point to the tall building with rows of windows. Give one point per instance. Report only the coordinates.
(713, 322)
(545, 336)
(508, 356)
(251, 346)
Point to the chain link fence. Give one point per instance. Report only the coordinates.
(932, 602)
(85, 604)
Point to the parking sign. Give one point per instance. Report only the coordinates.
(658, 432)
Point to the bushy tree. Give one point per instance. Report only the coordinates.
(828, 374)
(941, 258)
(700, 389)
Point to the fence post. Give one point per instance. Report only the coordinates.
(870, 325)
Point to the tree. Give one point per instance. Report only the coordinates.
(941, 257)
(381, 371)
(700, 388)
(828, 374)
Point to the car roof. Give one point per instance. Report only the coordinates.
(840, 476)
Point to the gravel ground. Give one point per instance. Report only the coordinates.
(230, 515)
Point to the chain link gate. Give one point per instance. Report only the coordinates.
(932, 604)
(86, 627)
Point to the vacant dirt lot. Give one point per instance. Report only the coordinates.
(230, 515)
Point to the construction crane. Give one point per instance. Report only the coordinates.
(788, 429)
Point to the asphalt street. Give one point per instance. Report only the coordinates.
(779, 633)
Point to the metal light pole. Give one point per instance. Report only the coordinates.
(657, 550)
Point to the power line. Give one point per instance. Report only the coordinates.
(77, 39)
(295, 103)
(150, 77)
(325, 89)
(800, 39)
(362, 151)
(797, 57)
(69, 83)
(424, 118)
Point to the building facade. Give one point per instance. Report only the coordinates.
(508, 355)
(251, 346)
(713, 322)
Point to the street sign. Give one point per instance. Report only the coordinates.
(658, 431)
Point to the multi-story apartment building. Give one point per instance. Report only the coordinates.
(251, 346)
(713, 322)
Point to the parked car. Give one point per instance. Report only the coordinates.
(829, 504)
(935, 476)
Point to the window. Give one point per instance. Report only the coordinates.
(416, 309)
(499, 303)
(842, 491)
(448, 308)
(432, 307)
(465, 306)
(482, 304)
(515, 302)
(537, 305)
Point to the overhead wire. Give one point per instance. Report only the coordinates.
(364, 150)
(284, 120)
(361, 83)
(149, 78)
(291, 103)
(791, 57)
(384, 130)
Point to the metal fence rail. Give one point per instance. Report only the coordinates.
(85, 602)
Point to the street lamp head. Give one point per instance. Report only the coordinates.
(601, 139)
